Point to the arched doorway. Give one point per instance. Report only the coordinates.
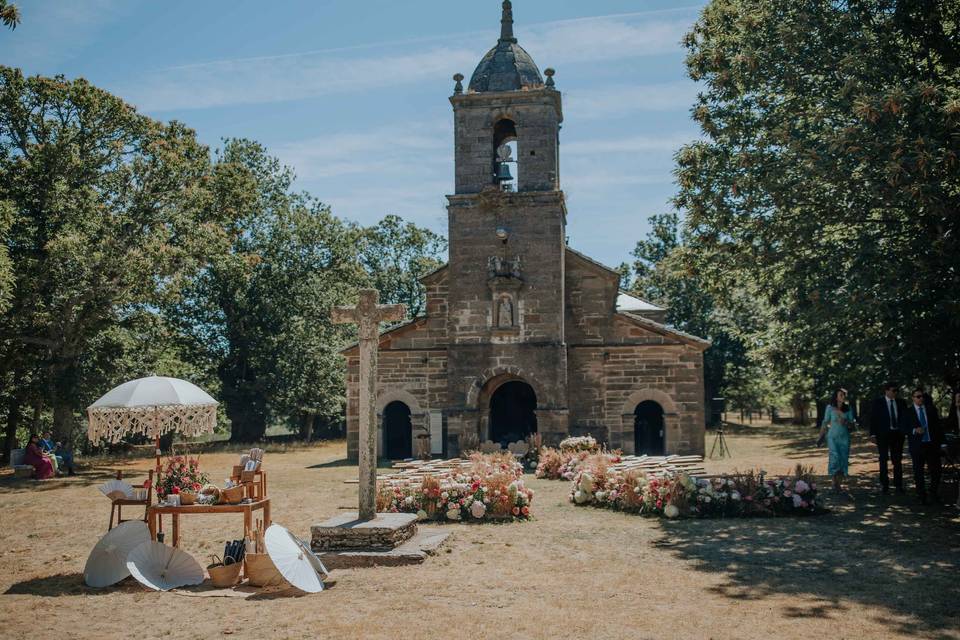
(513, 412)
(397, 431)
(648, 429)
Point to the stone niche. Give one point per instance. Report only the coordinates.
(504, 280)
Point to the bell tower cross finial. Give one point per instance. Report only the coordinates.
(506, 23)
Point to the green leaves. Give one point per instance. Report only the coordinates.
(828, 182)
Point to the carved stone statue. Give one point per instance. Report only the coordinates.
(505, 313)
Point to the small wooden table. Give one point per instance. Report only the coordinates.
(155, 512)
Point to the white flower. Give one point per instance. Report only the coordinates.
(422, 515)
(580, 497)
(600, 496)
(453, 514)
(797, 500)
(408, 500)
(477, 510)
(586, 482)
(735, 495)
(801, 486)
(444, 495)
(671, 511)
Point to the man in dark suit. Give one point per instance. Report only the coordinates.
(886, 415)
(926, 435)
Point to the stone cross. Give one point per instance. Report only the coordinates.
(368, 315)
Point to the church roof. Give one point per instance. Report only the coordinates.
(666, 330)
(627, 302)
(506, 67)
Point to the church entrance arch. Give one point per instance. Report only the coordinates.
(648, 429)
(397, 431)
(513, 412)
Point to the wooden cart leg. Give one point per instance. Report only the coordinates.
(119, 514)
(110, 525)
(266, 516)
(176, 530)
(152, 523)
(247, 522)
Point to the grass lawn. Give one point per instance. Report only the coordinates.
(875, 567)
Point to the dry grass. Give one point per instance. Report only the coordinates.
(873, 568)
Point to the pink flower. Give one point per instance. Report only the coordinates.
(175, 490)
(516, 511)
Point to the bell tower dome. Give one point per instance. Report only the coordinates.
(507, 101)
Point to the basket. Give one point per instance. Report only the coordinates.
(224, 575)
(233, 495)
(187, 498)
(260, 571)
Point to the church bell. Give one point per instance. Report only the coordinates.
(503, 172)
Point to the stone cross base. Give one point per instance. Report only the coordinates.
(347, 531)
(391, 540)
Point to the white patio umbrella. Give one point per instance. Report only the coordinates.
(294, 559)
(161, 567)
(107, 563)
(152, 406)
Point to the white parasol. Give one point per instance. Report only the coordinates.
(152, 406)
(294, 559)
(161, 568)
(107, 563)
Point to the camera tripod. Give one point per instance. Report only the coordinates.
(720, 447)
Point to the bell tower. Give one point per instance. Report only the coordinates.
(507, 228)
(507, 101)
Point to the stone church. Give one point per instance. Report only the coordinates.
(522, 333)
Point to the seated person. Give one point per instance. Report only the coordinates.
(42, 462)
(63, 456)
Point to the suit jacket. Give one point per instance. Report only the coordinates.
(880, 416)
(911, 422)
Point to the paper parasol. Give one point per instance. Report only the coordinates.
(161, 568)
(294, 559)
(107, 563)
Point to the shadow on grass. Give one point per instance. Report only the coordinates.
(84, 478)
(875, 550)
(65, 584)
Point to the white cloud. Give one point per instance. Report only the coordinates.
(316, 73)
(393, 150)
(630, 144)
(612, 101)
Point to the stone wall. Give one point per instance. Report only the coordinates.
(537, 115)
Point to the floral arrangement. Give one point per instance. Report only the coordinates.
(490, 487)
(580, 443)
(180, 473)
(558, 464)
(745, 494)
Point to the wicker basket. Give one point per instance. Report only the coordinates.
(260, 571)
(233, 495)
(187, 498)
(224, 575)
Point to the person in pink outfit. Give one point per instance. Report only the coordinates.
(42, 465)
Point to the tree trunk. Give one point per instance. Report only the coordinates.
(13, 423)
(64, 422)
(306, 426)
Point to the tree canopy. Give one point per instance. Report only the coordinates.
(828, 182)
(128, 249)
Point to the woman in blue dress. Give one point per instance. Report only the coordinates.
(837, 422)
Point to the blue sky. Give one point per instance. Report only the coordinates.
(353, 95)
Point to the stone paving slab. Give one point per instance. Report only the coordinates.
(347, 531)
(414, 551)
